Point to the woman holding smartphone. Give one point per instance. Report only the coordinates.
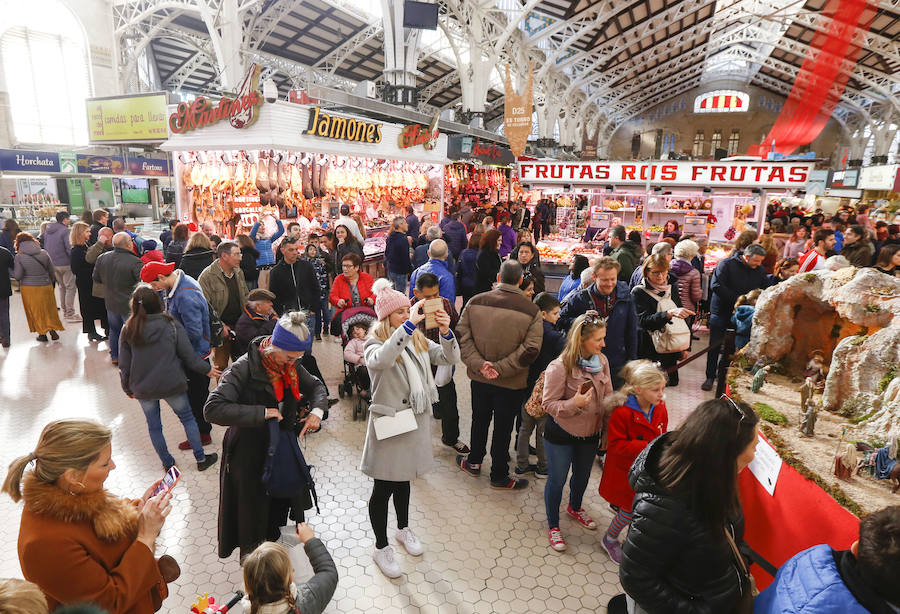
(575, 387)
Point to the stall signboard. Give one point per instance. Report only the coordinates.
(19, 160)
(76, 196)
(702, 174)
(241, 111)
(330, 126)
(517, 112)
(68, 162)
(878, 177)
(127, 119)
(417, 134)
(101, 165)
(844, 179)
(472, 149)
(148, 167)
(248, 208)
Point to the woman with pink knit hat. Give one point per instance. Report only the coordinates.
(398, 446)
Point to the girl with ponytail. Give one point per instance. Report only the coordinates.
(154, 352)
(640, 417)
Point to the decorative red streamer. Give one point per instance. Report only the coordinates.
(822, 77)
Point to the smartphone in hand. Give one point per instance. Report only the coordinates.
(168, 482)
(586, 387)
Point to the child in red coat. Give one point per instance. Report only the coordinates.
(639, 418)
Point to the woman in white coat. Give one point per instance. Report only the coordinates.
(399, 359)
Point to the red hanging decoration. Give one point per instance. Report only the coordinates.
(821, 80)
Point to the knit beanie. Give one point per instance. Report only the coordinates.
(387, 300)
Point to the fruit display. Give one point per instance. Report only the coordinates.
(556, 250)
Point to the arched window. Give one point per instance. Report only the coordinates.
(721, 101)
(47, 71)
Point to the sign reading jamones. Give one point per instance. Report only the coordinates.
(705, 174)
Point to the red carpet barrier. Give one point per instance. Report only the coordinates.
(800, 515)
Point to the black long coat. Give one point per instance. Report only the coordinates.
(239, 402)
(487, 267)
(650, 320)
(92, 307)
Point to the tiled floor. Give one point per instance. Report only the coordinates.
(486, 551)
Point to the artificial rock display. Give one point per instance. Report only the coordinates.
(852, 316)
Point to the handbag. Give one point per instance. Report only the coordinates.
(285, 472)
(674, 336)
(534, 406)
(387, 426)
(748, 583)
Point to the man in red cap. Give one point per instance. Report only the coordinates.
(185, 302)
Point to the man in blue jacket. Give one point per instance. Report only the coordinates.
(735, 276)
(611, 300)
(185, 302)
(438, 265)
(396, 254)
(857, 581)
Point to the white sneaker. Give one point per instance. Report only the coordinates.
(73, 318)
(410, 541)
(384, 558)
(337, 338)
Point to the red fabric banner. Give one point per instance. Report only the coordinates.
(799, 516)
(821, 80)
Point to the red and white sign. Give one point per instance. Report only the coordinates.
(661, 173)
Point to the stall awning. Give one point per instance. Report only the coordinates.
(285, 126)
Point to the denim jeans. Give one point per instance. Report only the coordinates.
(399, 281)
(4, 319)
(578, 456)
(116, 322)
(503, 405)
(182, 408)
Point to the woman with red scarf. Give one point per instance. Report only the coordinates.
(269, 381)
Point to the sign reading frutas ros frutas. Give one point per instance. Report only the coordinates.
(706, 174)
(240, 111)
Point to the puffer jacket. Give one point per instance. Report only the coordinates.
(155, 369)
(672, 564)
(56, 242)
(628, 254)
(859, 254)
(689, 287)
(813, 582)
(743, 322)
(194, 261)
(32, 265)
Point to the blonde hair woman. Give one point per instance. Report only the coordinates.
(92, 307)
(21, 597)
(399, 358)
(34, 270)
(575, 389)
(269, 578)
(197, 255)
(77, 541)
(639, 418)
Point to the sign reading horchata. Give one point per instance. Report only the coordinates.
(342, 128)
(703, 174)
(517, 113)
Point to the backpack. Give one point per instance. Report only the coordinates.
(534, 405)
(285, 472)
(674, 336)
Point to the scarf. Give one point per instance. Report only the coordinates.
(660, 289)
(603, 304)
(422, 389)
(591, 365)
(280, 377)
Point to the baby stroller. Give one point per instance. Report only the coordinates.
(350, 385)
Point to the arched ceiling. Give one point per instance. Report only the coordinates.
(613, 58)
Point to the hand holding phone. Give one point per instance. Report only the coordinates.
(168, 482)
(585, 387)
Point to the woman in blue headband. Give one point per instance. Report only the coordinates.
(269, 381)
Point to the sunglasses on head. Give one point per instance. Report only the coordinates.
(737, 408)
